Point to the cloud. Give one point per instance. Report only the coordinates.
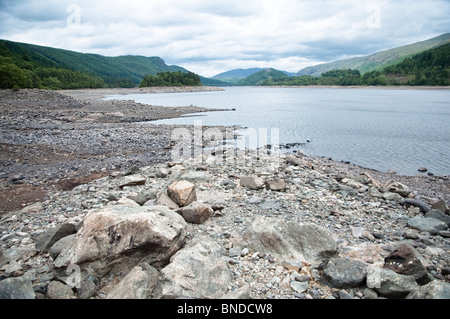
(215, 36)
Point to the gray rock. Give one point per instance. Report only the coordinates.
(143, 196)
(47, 239)
(299, 287)
(438, 214)
(120, 236)
(276, 184)
(196, 177)
(434, 290)
(58, 290)
(165, 200)
(396, 187)
(59, 246)
(389, 284)
(289, 240)
(252, 182)
(198, 271)
(140, 283)
(196, 213)
(442, 206)
(132, 180)
(16, 288)
(416, 202)
(430, 225)
(345, 273)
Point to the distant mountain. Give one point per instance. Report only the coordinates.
(234, 76)
(262, 76)
(377, 61)
(113, 70)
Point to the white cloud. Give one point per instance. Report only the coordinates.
(210, 37)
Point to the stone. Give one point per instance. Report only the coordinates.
(198, 271)
(241, 293)
(196, 177)
(299, 287)
(59, 290)
(132, 180)
(140, 283)
(345, 273)
(16, 288)
(406, 260)
(434, 290)
(289, 240)
(442, 206)
(143, 196)
(120, 236)
(196, 213)
(276, 184)
(416, 202)
(292, 265)
(392, 196)
(396, 187)
(33, 208)
(438, 214)
(182, 193)
(252, 182)
(389, 284)
(47, 239)
(57, 247)
(165, 200)
(431, 225)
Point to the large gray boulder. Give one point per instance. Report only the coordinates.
(199, 271)
(389, 284)
(345, 273)
(121, 236)
(289, 240)
(434, 290)
(16, 288)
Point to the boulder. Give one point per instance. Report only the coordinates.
(252, 182)
(434, 290)
(165, 200)
(121, 236)
(276, 184)
(47, 239)
(132, 180)
(16, 288)
(140, 283)
(416, 202)
(406, 260)
(182, 193)
(431, 225)
(438, 214)
(59, 290)
(396, 187)
(196, 213)
(442, 206)
(59, 246)
(345, 273)
(289, 240)
(389, 284)
(198, 271)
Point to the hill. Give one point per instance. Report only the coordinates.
(262, 76)
(379, 60)
(121, 71)
(236, 75)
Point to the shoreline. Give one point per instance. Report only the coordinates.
(51, 140)
(373, 87)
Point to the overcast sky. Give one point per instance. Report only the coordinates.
(212, 36)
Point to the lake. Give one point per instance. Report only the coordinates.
(379, 128)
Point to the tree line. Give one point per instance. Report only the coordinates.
(177, 78)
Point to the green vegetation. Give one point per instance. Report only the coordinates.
(431, 67)
(171, 79)
(380, 60)
(261, 77)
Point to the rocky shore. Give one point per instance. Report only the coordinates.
(119, 219)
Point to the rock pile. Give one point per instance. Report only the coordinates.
(274, 227)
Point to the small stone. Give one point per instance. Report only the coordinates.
(182, 193)
(299, 287)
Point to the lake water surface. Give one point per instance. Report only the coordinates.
(383, 129)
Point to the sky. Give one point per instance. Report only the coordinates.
(212, 36)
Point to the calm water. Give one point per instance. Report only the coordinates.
(382, 129)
